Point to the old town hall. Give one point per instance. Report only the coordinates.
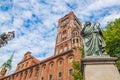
(58, 66)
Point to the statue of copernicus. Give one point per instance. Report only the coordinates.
(94, 44)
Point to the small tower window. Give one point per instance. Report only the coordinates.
(77, 40)
(73, 40)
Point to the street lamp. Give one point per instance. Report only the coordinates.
(5, 37)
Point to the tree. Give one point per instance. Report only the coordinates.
(77, 74)
(112, 39)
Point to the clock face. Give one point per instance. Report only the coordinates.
(64, 22)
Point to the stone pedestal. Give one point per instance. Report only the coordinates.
(99, 68)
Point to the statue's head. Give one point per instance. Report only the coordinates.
(87, 23)
(97, 24)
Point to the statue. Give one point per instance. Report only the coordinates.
(4, 38)
(94, 44)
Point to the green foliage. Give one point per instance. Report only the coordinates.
(118, 64)
(82, 50)
(77, 74)
(112, 39)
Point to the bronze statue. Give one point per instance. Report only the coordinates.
(4, 38)
(94, 44)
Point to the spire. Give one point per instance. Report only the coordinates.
(12, 56)
(9, 61)
(5, 68)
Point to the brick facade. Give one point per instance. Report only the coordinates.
(58, 66)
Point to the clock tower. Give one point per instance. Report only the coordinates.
(6, 67)
(68, 36)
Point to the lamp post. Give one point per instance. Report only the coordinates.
(5, 37)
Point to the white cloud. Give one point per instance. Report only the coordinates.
(4, 17)
(100, 4)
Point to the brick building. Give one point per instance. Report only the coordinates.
(58, 66)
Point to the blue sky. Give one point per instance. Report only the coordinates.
(35, 23)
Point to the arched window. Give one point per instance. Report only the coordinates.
(42, 78)
(22, 65)
(65, 47)
(77, 40)
(25, 75)
(51, 65)
(31, 71)
(44, 67)
(50, 77)
(36, 72)
(70, 59)
(60, 74)
(26, 64)
(70, 71)
(60, 62)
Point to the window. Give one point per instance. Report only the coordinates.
(60, 74)
(26, 64)
(69, 32)
(70, 71)
(65, 21)
(77, 40)
(75, 33)
(51, 65)
(60, 50)
(73, 40)
(50, 77)
(36, 73)
(16, 75)
(64, 32)
(60, 62)
(65, 49)
(22, 65)
(12, 77)
(42, 78)
(25, 75)
(20, 75)
(30, 73)
(44, 67)
(70, 59)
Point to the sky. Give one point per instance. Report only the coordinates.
(35, 23)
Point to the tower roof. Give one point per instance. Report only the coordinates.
(9, 61)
